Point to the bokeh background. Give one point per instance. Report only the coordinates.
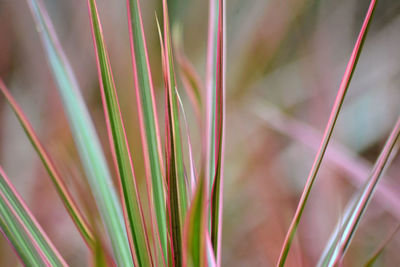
(285, 60)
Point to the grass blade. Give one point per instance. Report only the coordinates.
(211, 84)
(327, 134)
(131, 201)
(173, 117)
(177, 186)
(17, 239)
(148, 118)
(195, 231)
(217, 124)
(355, 167)
(23, 231)
(54, 174)
(85, 136)
(22, 242)
(347, 231)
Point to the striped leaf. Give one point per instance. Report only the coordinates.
(131, 202)
(85, 136)
(196, 229)
(148, 119)
(342, 238)
(172, 107)
(175, 173)
(54, 174)
(216, 119)
(22, 230)
(327, 134)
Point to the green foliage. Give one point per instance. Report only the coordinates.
(175, 203)
(22, 230)
(177, 221)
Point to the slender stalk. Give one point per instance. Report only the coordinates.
(148, 121)
(85, 136)
(358, 209)
(175, 174)
(133, 211)
(327, 134)
(62, 190)
(218, 133)
(22, 226)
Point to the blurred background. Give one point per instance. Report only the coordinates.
(285, 60)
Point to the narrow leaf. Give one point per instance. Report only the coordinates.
(54, 174)
(148, 118)
(357, 209)
(134, 219)
(355, 167)
(22, 242)
(17, 239)
(211, 84)
(173, 115)
(86, 139)
(327, 134)
(177, 186)
(195, 232)
(217, 110)
(22, 229)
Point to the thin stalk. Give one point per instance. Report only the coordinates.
(148, 120)
(22, 226)
(133, 211)
(359, 207)
(216, 180)
(327, 134)
(62, 190)
(85, 136)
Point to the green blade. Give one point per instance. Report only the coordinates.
(343, 237)
(85, 136)
(132, 206)
(216, 122)
(352, 63)
(177, 186)
(54, 174)
(211, 93)
(195, 251)
(22, 230)
(148, 118)
(173, 121)
(18, 239)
